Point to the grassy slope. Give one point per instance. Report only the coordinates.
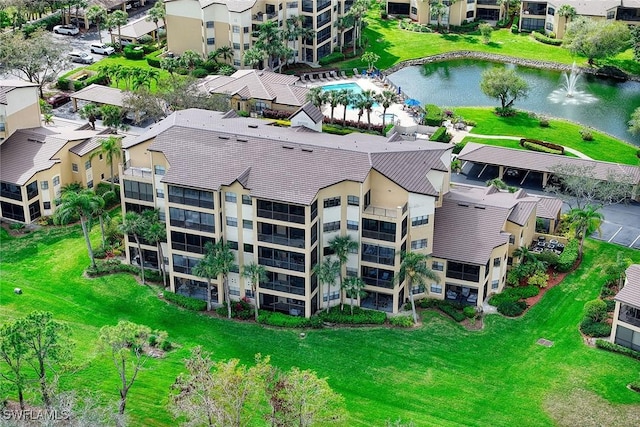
(437, 374)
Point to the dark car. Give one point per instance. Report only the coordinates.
(58, 99)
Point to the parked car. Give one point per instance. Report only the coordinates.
(102, 48)
(81, 57)
(58, 99)
(70, 30)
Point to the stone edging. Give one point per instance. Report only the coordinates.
(469, 54)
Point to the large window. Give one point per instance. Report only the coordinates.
(32, 190)
(377, 277)
(10, 191)
(353, 200)
(322, 4)
(629, 314)
(419, 220)
(191, 197)
(34, 210)
(379, 230)
(284, 283)
(331, 202)
(324, 34)
(281, 259)
(628, 338)
(307, 5)
(184, 264)
(418, 244)
(281, 211)
(532, 24)
(323, 18)
(328, 227)
(378, 254)
(281, 235)
(458, 270)
(11, 211)
(324, 50)
(138, 190)
(437, 266)
(191, 219)
(189, 242)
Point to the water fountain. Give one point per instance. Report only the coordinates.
(570, 80)
(569, 94)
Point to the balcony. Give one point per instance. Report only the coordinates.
(629, 315)
(287, 265)
(137, 171)
(281, 240)
(628, 15)
(281, 216)
(278, 285)
(385, 212)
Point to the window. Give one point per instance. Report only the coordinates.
(281, 211)
(374, 276)
(236, 29)
(248, 247)
(328, 227)
(232, 222)
(512, 239)
(192, 220)
(611, 14)
(184, 264)
(237, 63)
(246, 46)
(245, 30)
(191, 197)
(551, 11)
(327, 251)
(495, 284)
(281, 235)
(324, 34)
(549, 26)
(436, 288)
(419, 220)
(46, 205)
(100, 156)
(44, 185)
(468, 272)
(236, 46)
(353, 200)
(34, 210)
(246, 200)
(437, 266)
(189, 242)
(247, 223)
(414, 10)
(510, 261)
(470, 14)
(10, 191)
(532, 24)
(496, 262)
(90, 184)
(352, 272)
(74, 167)
(56, 180)
(314, 210)
(379, 230)
(352, 225)
(323, 18)
(418, 244)
(378, 254)
(232, 245)
(281, 259)
(331, 202)
(159, 170)
(160, 193)
(211, 41)
(138, 190)
(87, 165)
(210, 24)
(230, 197)
(11, 211)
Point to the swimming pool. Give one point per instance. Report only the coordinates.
(353, 87)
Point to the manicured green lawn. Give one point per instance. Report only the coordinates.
(121, 60)
(395, 45)
(603, 147)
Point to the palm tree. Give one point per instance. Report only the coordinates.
(583, 220)
(224, 261)
(386, 98)
(90, 112)
(360, 103)
(117, 19)
(326, 271)
(368, 99)
(206, 268)
(344, 22)
(316, 96)
(156, 14)
(136, 224)
(110, 149)
(333, 99)
(341, 246)
(156, 233)
(353, 287)
(98, 15)
(567, 11)
(252, 57)
(357, 11)
(525, 255)
(255, 273)
(83, 204)
(438, 9)
(346, 99)
(414, 270)
(224, 52)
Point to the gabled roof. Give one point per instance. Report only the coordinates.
(139, 28)
(311, 111)
(7, 86)
(548, 207)
(630, 293)
(100, 95)
(90, 144)
(541, 162)
(279, 163)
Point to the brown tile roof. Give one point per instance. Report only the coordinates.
(548, 207)
(522, 211)
(100, 95)
(90, 144)
(310, 110)
(7, 86)
(206, 151)
(540, 162)
(630, 293)
(478, 230)
(263, 85)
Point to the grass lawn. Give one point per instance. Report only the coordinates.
(438, 374)
(563, 132)
(121, 60)
(395, 45)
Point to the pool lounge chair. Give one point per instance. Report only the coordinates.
(311, 79)
(343, 74)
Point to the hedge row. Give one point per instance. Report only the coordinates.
(153, 59)
(433, 115)
(112, 266)
(186, 302)
(360, 316)
(453, 309)
(331, 58)
(514, 294)
(606, 345)
(512, 308)
(275, 318)
(546, 40)
(595, 329)
(568, 256)
(540, 148)
(133, 52)
(542, 143)
(440, 135)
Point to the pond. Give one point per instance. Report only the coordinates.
(603, 104)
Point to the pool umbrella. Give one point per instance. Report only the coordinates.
(412, 102)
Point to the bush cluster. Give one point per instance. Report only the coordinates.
(433, 116)
(541, 146)
(99, 79)
(550, 258)
(514, 294)
(131, 51)
(409, 25)
(454, 310)
(356, 125)
(458, 147)
(112, 266)
(336, 130)
(586, 134)
(401, 321)
(595, 329)
(239, 309)
(470, 311)
(360, 316)
(153, 59)
(606, 345)
(568, 256)
(512, 308)
(199, 73)
(189, 303)
(275, 318)
(466, 27)
(331, 58)
(546, 40)
(441, 135)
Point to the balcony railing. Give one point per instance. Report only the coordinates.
(281, 286)
(278, 240)
(139, 172)
(378, 211)
(378, 282)
(281, 264)
(387, 237)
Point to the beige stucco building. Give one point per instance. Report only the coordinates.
(625, 329)
(19, 107)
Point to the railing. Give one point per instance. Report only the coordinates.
(135, 171)
(285, 241)
(281, 264)
(463, 276)
(387, 237)
(378, 282)
(298, 219)
(281, 286)
(378, 211)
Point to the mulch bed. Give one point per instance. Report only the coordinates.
(554, 279)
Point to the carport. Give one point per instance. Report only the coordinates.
(98, 94)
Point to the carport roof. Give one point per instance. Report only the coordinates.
(630, 293)
(100, 95)
(139, 28)
(541, 162)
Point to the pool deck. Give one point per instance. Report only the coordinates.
(402, 116)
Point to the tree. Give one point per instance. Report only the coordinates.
(341, 246)
(414, 271)
(438, 10)
(112, 116)
(224, 52)
(117, 19)
(269, 42)
(90, 112)
(567, 11)
(368, 99)
(223, 262)
(316, 96)
(156, 233)
(524, 254)
(252, 57)
(370, 58)
(156, 14)
(578, 186)
(143, 101)
(111, 150)
(135, 224)
(353, 287)
(360, 103)
(345, 22)
(634, 123)
(98, 15)
(48, 344)
(206, 269)
(35, 59)
(596, 39)
(13, 353)
(83, 204)
(346, 99)
(616, 269)
(635, 41)
(333, 99)
(183, 94)
(510, 8)
(485, 31)
(326, 271)
(358, 11)
(255, 273)
(190, 59)
(596, 310)
(584, 220)
(123, 342)
(170, 65)
(505, 85)
(386, 99)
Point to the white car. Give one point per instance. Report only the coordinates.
(102, 49)
(81, 57)
(70, 30)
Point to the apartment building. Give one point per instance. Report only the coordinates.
(626, 318)
(457, 12)
(206, 25)
(19, 107)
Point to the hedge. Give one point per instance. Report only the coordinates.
(185, 302)
(550, 145)
(595, 329)
(546, 40)
(153, 59)
(568, 257)
(331, 58)
(130, 52)
(99, 79)
(514, 294)
(335, 130)
(512, 308)
(433, 116)
(440, 135)
(360, 316)
(401, 321)
(609, 346)
(275, 318)
(541, 148)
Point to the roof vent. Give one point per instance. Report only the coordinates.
(463, 205)
(479, 207)
(35, 140)
(288, 147)
(307, 150)
(223, 137)
(253, 126)
(242, 140)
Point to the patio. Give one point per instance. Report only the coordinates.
(461, 294)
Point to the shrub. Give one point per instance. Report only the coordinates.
(226, 70)
(544, 122)
(360, 316)
(401, 321)
(17, 226)
(611, 305)
(550, 258)
(145, 39)
(131, 52)
(153, 59)
(384, 15)
(239, 309)
(458, 147)
(439, 135)
(331, 58)
(586, 134)
(470, 312)
(539, 278)
(275, 318)
(64, 83)
(512, 308)
(199, 73)
(546, 40)
(568, 257)
(433, 116)
(596, 310)
(609, 346)
(182, 71)
(210, 66)
(153, 340)
(595, 329)
(166, 345)
(529, 145)
(186, 302)
(514, 294)
(448, 308)
(335, 130)
(426, 303)
(470, 123)
(514, 29)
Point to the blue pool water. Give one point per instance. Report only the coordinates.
(353, 87)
